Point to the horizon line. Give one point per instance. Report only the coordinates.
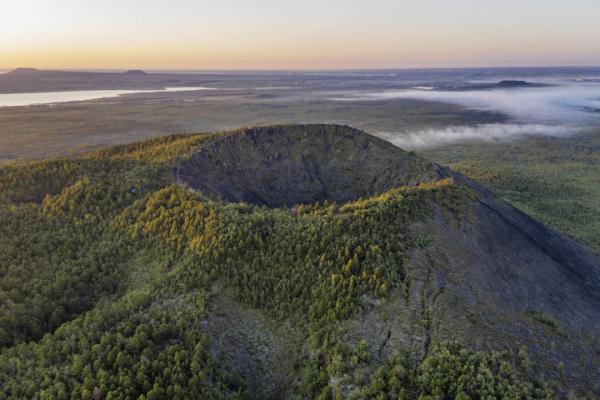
(348, 69)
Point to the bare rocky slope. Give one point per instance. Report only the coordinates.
(501, 279)
(288, 165)
(492, 278)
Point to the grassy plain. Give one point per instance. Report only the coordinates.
(72, 128)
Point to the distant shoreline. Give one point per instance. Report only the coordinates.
(24, 99)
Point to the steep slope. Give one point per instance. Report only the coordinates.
(309, 261)
(499, 279)
(493, 277)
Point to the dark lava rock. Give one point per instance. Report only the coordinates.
(287, 165)
(499, 279)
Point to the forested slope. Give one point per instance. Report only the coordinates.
(118, 282)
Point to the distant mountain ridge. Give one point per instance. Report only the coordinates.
(35, 80)
(27, 70)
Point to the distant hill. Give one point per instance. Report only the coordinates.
(135, 72)
(503, 84)
(514, 83)
(33, 80)
(297, 261)
(24, 71)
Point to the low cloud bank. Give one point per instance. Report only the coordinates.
(486, 132)
(564, 103)
(560, 110)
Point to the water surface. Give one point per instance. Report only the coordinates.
(28, 99)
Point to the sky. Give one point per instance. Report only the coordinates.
(307, 34)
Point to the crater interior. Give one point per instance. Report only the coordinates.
(283, 166)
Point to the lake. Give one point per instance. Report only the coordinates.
(28, 99)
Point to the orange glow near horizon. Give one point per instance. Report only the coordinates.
(265, 34)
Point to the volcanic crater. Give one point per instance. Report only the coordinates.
(491, 275)
(282, 166)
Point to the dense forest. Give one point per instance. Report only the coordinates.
(108, 272)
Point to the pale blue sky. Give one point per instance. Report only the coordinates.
(302, 34)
